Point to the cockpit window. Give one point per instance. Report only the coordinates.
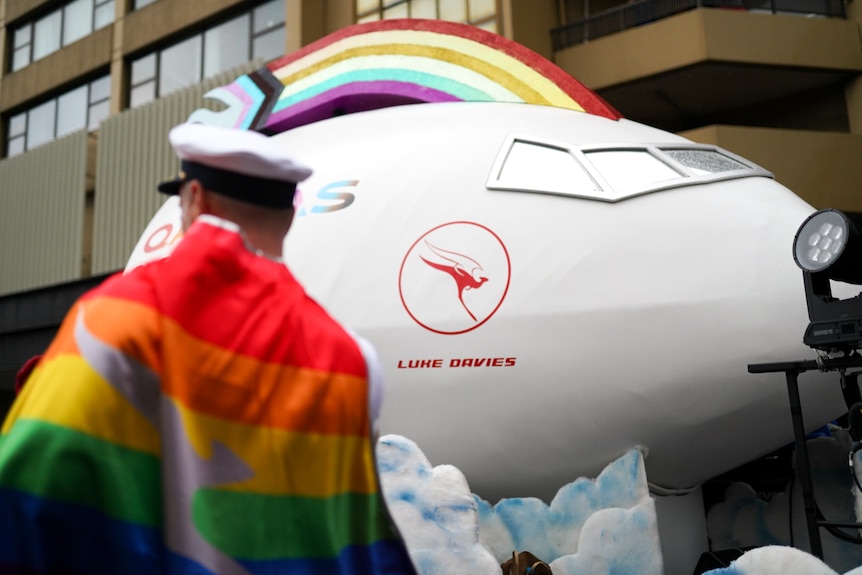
(531, 165)
(703, 162)
(630, 169)
(611, 172)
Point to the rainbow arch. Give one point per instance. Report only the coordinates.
(394, 62)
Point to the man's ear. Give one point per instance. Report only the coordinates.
(200, 199)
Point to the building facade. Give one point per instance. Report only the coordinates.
(89, 89)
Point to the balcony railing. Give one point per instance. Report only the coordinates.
(644, 11)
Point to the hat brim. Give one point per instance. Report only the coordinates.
(171, 187)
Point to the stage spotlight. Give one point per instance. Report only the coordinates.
(828, 246)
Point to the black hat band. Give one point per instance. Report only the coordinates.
(265, 192)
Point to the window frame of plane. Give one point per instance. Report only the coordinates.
(688, 177)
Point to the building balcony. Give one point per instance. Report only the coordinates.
(638, 13)
(706, 65)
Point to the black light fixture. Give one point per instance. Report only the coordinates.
(828, 246)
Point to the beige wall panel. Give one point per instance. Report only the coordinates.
(713, 34)
(667, 44)
(133, 157)
(821, 167)
(310, 20)
(17, 8)
(339, 14)
(91, 53)
(529, 22)
(782, 39)
(853, 96)
(305, 22)
(166, 17)
(41, 223)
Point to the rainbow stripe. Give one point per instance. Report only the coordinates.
(394, 62)
(196, 435)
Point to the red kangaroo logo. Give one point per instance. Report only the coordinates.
(466, 271)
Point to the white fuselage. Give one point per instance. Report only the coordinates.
(531, 338)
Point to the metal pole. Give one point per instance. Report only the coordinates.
(803, 470)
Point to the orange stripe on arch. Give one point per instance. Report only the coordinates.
(214, 381)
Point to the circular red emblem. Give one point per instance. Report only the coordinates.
(454, 277)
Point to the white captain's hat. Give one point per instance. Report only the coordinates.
(240, 164)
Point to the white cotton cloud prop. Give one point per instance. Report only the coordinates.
(607, 526)
(434, 510)
(776, 560)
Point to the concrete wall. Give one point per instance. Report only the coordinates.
(42, 215)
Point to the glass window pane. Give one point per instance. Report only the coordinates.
(40, 124)
(98, 112)
(626, 169)
(22, 36)
(704, 162)
(490, 25)
(72, 111)
(363, 6)
(77, 20)
(141, 3)
(453, 10)
(423, 9)
(268, 16)
(21, 58)
(374, 16)
(225, 46)
(144, 69)
(540, 168)
(269, 46)
(142, 94)
(16, 146)
(100, 89)
(481, 9)
(180, 65)
(17, 124)
(104, 15)
(399, 11)
(47, 35)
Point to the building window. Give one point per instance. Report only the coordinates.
(481, 13)
(83, 107)
(138, 4)
(258, 33)
(47, 34)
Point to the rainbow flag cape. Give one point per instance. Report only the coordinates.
(200, 414)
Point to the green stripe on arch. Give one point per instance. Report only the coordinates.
(60, 464)
(266, 527)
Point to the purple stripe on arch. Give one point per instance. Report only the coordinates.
(352, 98)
